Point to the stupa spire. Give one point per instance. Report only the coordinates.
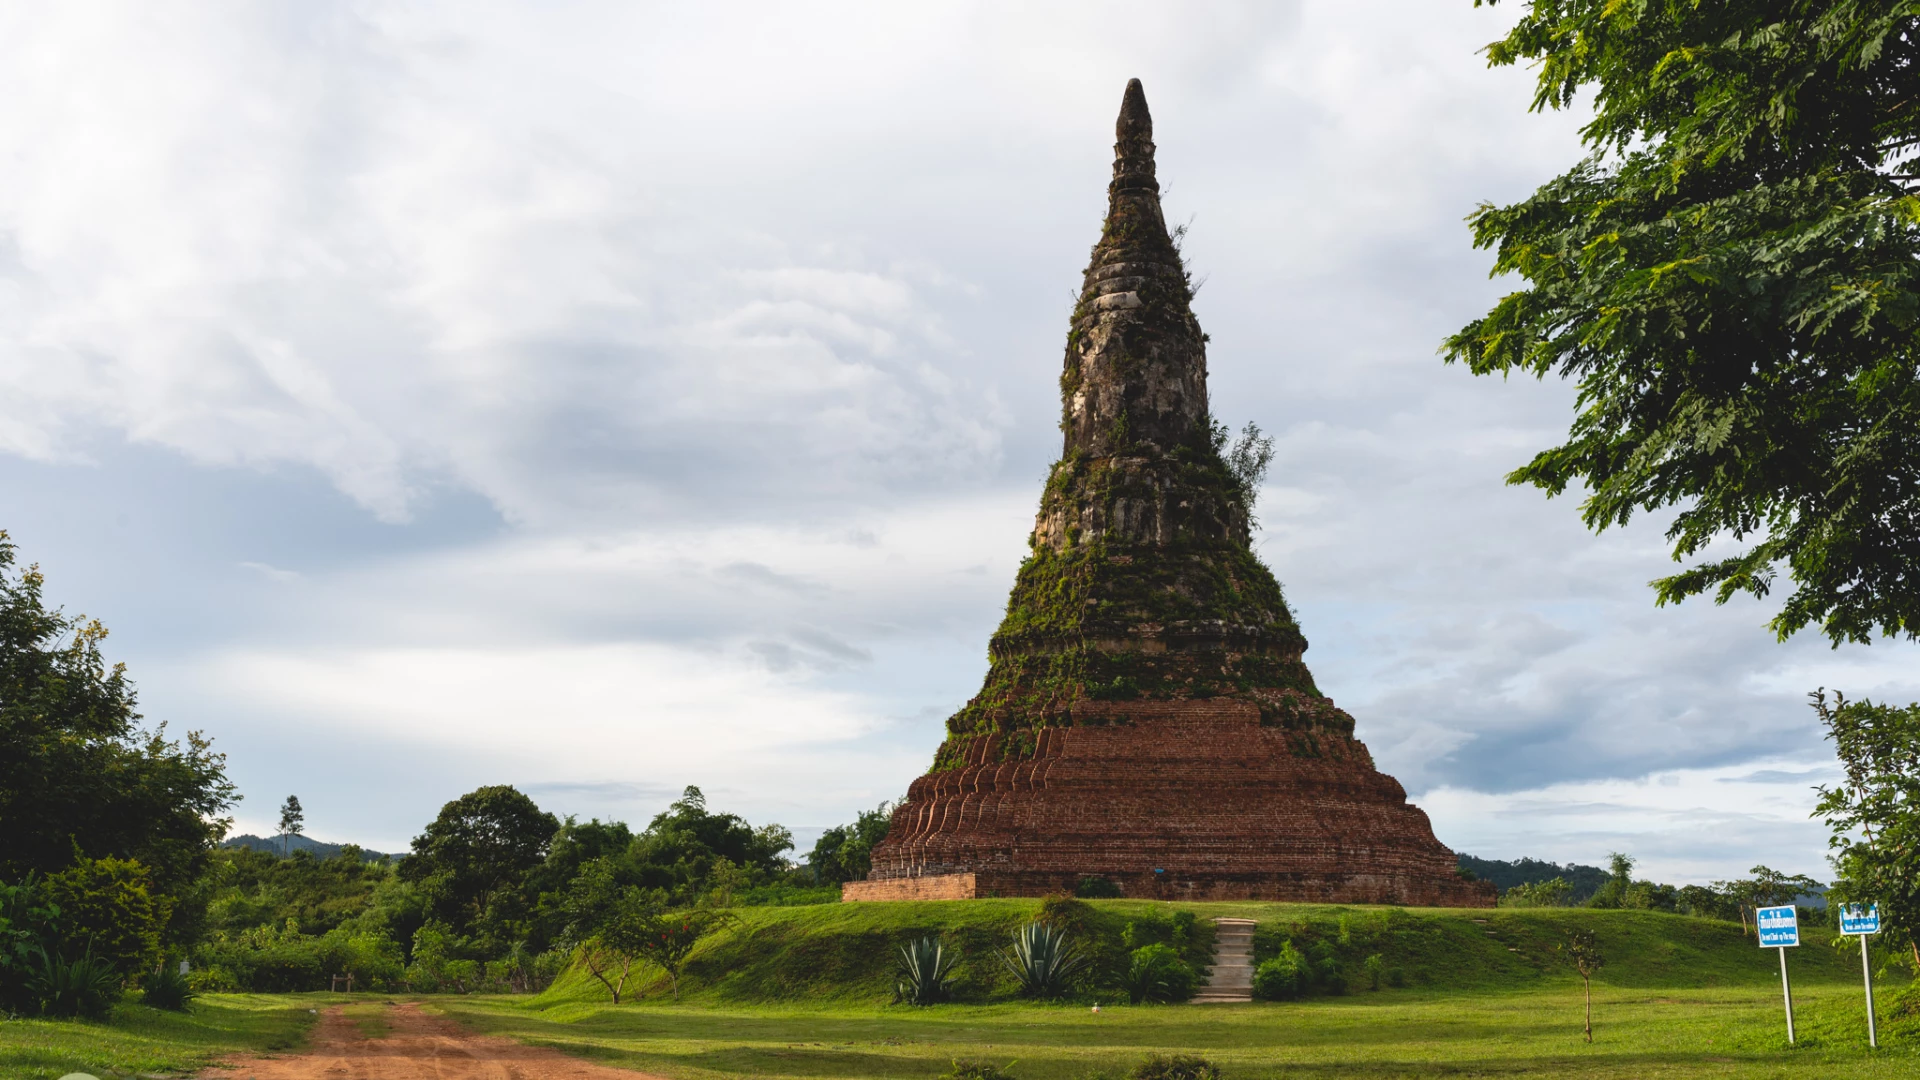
(1133, 143)
(1134, 381)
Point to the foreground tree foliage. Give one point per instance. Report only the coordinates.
(80, 779)
(1875, 815)
(1731, 278)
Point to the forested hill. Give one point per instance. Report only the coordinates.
(1505, 874)
(319, 849)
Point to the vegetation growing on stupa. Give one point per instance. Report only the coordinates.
(1142, 583)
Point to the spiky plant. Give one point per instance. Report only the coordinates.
(1042, 960)
(924, 972)
(85, 987)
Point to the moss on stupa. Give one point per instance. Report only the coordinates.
(1142, 583)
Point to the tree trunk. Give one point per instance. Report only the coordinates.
(1589, 985)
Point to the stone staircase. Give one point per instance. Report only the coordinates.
(1232, 978)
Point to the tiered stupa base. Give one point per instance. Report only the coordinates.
(1176, 800)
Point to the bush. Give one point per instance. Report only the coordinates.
(1158, 975)
(1183, 925)
(1096, 888)
(167, 989)
(85, 987)
(107, 907)
(1071, 916)
(1375, 969)
(1175, 1067)
(924, 976)
(284, 960)
(1905, 1005)
(1282, 978)
(1042, 960)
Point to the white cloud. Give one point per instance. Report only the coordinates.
(743, 320)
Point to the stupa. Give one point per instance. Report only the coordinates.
(1146, 719)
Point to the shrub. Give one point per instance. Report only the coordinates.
(1042, 960)
(925, 972)
(1096, 888)
(1069, 915)
(1375, 968)
(1183, 922)
(1329, 975)
(166, 988)
(107, 907)
(1905, 1005)
(1283, 977)
(1175, 1067)
(1158, 975)
(85, 987)
(1554, 892)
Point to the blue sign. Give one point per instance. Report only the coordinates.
(1857, 920)
(1779, 926)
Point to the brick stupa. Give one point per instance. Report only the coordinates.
(1146, 717)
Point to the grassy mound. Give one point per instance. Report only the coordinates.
(844, 953)
(142, 1040)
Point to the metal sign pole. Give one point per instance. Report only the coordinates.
(1786, 991)
(1866, 973)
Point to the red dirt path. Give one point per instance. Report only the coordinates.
(418, 1046)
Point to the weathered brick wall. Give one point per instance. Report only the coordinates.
(936, 887)
(1181, 800)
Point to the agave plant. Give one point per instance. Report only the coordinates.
(1042, 960)
(924, 972)
(166, 988)
(84, 987)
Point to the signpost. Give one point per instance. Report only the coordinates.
(1864, 922)
(1780, 929)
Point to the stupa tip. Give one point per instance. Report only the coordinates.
(1134, 121)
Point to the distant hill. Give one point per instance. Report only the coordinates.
(1505, 874)
(319, 849)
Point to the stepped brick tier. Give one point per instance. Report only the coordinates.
(1146, 716)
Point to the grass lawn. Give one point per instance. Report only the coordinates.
(142, 1040)
(1726, 1031)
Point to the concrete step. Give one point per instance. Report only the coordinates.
(1231, 981)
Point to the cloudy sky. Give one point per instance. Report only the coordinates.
(603, 398)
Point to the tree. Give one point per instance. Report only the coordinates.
(1732, 277)
(291, 819)
(845, 852)
(79, 777)
(609, 923)
(1582, 950)
(1552, 892)
(1766, 888)
(682, 844)
(472, 862)
(1875, 815)
(667, 938)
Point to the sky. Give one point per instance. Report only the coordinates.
(605, 398)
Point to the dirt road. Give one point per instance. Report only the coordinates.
(418, 1046)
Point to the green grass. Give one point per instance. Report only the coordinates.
(844, 953)
(804, 992)
(1729, 1031)
(138, 1039)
